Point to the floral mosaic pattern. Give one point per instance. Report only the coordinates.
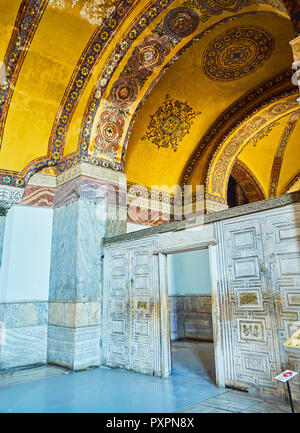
(237, 53)
(170, 123)
(109, 130)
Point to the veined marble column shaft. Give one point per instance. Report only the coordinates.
(89, 205)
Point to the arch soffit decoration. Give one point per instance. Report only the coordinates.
(258, 125)
(29, 16)
(240, 111)
(60, 128)
(248, 181)
(88, 131)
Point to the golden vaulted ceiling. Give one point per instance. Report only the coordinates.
(170, 92)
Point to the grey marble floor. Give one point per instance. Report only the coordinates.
(239, 402)
(22, 375)
(190, 389)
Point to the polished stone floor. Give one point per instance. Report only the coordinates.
(191, 388)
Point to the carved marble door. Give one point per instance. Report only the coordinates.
(131, 309)
(283, 252)
(252, 340)
(116, 311)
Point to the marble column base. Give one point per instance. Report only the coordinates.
(75, 349)
(74, 334)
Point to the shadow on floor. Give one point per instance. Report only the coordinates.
(195, 358)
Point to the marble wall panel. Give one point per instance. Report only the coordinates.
(91, 231)
(38, 196)
(24, 346)
(64, 253)
(23, 314)
(191, 317)
(74, 314)
(24, 332)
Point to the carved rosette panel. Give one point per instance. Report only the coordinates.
(131, 318)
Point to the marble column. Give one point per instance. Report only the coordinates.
(90, 203)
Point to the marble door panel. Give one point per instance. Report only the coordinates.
(131, 328)
(144, 317)
(250, 306)
(116, 312)
(283, 251)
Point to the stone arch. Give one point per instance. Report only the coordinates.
(229, 149)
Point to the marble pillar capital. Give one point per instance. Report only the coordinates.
(9, 195)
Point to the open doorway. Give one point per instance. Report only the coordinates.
(190, 315)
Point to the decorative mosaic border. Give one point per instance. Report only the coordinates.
(146, 17)
(81, 75)
(278, 159)
(292, 183)
(55, 153)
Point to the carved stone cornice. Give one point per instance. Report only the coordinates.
(272, 203)
(89, 170)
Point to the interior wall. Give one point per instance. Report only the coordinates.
(24, 285)
(189, 274)
(190, 295)
(2, 229)
(132, 227)
(25, 270)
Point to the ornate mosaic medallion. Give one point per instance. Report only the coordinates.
(170, 123)
(148, 55)
(181, 22)
(124, 92)
(109, 130)
(237, 52)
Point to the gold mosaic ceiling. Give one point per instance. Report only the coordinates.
(157, 89)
